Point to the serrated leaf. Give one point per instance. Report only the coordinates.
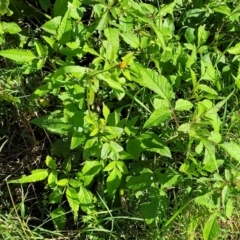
(157, 117)
(73, 200)
(183, 105)
(18, 55)
(131, 39)
(211, 228)
(232, 148)
(59, 218)
(151, 79)
(76, 71)
(112, 36)
(64, 30)
(202, 35)
(35, 176)
(52, 25)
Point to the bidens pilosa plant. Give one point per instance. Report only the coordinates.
(142, 107)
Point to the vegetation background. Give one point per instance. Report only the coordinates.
(119, 119)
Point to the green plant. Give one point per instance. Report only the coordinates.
(139, 95)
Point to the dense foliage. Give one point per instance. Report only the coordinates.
(129, 114)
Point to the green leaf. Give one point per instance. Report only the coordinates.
(52, 25)
(183, 105)
(206, 89)
(50, 162)
(59, 218)
(106, 112)
(76, 71)
(122, 167)
(59, 7)
(159, 116)
(4, 8)
(211, 228)
(229, 208)
(10, 27)
(189, 35)
(18, 55)
(113, 181)
(52, 178)
(151, 79)
(109, 80)
(35, 176)
(62, 182)
(224, 9)
(112, 36)
(103, 21)
(142, 181)
(77, 139)
(73, 200)
(234, 50)
(85, 199)
(55, 196)
(45, 4)
(64, 30)
(55, 125)
(131, 39)
(232, 148)
(202, 35)
(167, 9)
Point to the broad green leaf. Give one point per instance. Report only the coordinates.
(224, 9)
(234, 50)
(60, 7)
(211, 228)
(122, 167)
(59, 218)
(152, 143)
(189, 34)
(77, 139)
(103, 21)
(63, 182)
(232, 148)
(207, 89)
(109, 80)
(55, 196)
(85, 199)
(225, 194)
(90, 169)
(75, 183)
(183, 105)
(185, 127)
(10, 27)
(76, 71)
(105, 150)
(64, 30)
(106, 112)
(55, 125)
(113, 181)
(73, 200)
(18, 55)
(50, 162)
(167, 9)
(142, 181)
(35, 176)
(131, 39)
(40, 49)
(202, 35)
(4, 8)
(157, 117)
(151, 79)
(52, 178)
(169, 178)
(229, 208)
(90, 148)
(52, 25)
(112, 36)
